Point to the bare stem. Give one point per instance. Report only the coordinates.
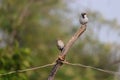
(65, 50)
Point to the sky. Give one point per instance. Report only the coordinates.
(108, 8)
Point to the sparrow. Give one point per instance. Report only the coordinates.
(60, 45)
(83, 18)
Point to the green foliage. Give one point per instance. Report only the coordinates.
(14, 58)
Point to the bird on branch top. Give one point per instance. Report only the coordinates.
(83, 18)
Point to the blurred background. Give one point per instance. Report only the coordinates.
(29, 29)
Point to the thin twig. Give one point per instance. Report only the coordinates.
(91, 67)
(25, 70)
(24, 12)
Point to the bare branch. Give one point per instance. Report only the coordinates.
(72, 40)
(65, 50)
(54, 69)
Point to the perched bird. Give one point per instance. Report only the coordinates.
(60, 45)
(83, 18)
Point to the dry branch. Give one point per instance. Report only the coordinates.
(62, 55)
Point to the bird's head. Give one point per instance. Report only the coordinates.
(83, 15)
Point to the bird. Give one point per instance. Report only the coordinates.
(60, 45)
(83, 18)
